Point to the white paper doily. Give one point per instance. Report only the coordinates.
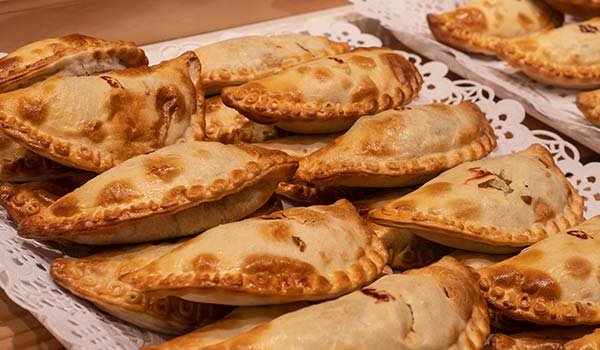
(553, 106)
(79, 326)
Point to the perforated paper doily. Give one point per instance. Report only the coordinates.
(552, 105)
(78, 325)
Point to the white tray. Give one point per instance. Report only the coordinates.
(78, 325)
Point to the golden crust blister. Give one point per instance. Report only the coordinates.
(555, 281)
(589, 104)
(96, 122)
(550, 338)
(437, 307)
(226, 125)
(480, 25)
(328, 94)
(69, 55)
(236, 61)
(178, 190)
(401, 147)
(304, 253)
(96, 278)
(568, 56)
(577, 8)
(467, 207)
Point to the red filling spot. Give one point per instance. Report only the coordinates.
(478, 174)
(588, 28)
(381, 296)
(112, 82)
(579, 234)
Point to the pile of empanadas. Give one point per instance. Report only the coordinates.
(528, 35)
(184, 165)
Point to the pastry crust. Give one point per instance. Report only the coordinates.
(226, 125)
(69, 55)
(329, 94)
(19, 164)
(310, 253)
(176, 191)
(589, 104)
(577, 8)
(466, 207)
(401, 148)
(299, 146)
(239, 60)
(551, 338)
(96, 122)
(436, 307)
(480, 25)
(318, 195)
(96, 278)
(552, 282)
(568, 56)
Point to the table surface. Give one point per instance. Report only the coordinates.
(19, 330)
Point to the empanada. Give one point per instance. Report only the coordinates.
(226, 125)
(495, 205)
(96, 278)
(19, 164)
(96, 122)
(178, 190)
(401, 148)
(436, 307)
(480, 25)
(299, 146)
(237, 322)
(568, 56)
(555, 281)
(236, 61)
(577, 8)
(589, 104)
(304, 253)
(69, 55)
(551, 338)
(24, 200)
(329, 94)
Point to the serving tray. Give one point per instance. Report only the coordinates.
(78, 325)
(552, 105)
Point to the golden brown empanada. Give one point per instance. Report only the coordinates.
(401, 148)
(96, 122)
(226, 125)
(236, 61)
(551, 338)
(495, 205)
(178, 190)
(480, 25)
(589, 104)
(96, 278)
(299, 146)
(237, 322)
(436, 307)
(555, 281)
(328, 94)
(568, 56)
(577, 8)
(304, 253)
(24, 200)
(69, 55)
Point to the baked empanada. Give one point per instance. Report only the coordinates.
(436, 307)
(19, 164)
(299, 146)
(577, 8)
(480, 25)
(401, 148)
(236, 61)
(237, 322)
(304, 253)
(551, 338)
(495, 205)
(589, 104)
(96, 278)
(555, 281)
(328, 94)
(73, 54)
(96, 122)
(226, 125)
(568, 56)
(178, 190)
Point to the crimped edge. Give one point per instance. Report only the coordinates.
(366, 269)
(267, 162)
(338, 172)
(589, 104)
(490, 235)
(316, 195)
(258, 105)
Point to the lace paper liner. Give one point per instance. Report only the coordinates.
(78, 325)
